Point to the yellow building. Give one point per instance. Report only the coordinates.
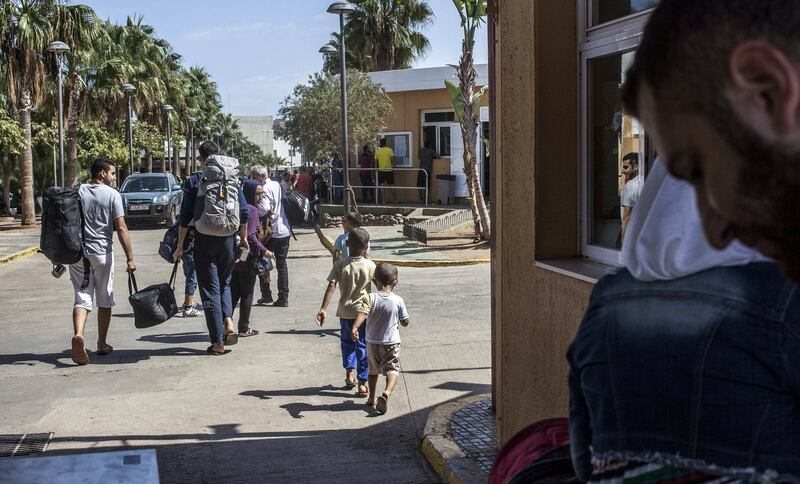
(422, 112)
(557, 145)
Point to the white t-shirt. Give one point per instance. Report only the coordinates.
(102, 205)
(273, 200)
(384, 312)
(631, 192)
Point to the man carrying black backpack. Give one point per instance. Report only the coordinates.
(213, 199)
(93, 278)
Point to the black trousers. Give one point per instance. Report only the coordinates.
(280, 247)
(243, 284)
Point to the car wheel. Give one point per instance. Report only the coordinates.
(171, 217)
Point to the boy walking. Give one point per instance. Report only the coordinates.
(383, 310)
(353, 275)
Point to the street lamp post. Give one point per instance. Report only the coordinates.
(341, 9)
(167, 108)
(59, 48)
(190, 164)
(326, 50)
(129, 90)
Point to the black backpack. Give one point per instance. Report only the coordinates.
(169, 243)
(61, 240)
(297, 208)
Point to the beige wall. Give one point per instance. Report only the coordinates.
(536, 311)
(407, 110)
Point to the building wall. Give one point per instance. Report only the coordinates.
(407, 110)
(536, 208)
(258, 129)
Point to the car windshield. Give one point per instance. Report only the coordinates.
(145, 184)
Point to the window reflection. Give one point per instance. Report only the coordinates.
(616, 153)
(607, 10)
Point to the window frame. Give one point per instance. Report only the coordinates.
(410, 156)
(439, 125)
(594, 42)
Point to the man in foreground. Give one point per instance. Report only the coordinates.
(93, 278)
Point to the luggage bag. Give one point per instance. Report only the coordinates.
(154, 304)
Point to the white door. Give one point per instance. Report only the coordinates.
(457, 160)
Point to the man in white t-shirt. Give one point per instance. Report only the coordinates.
(93, 278)
(632, 189)
(272, 201)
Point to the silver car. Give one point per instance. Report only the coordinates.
(152, 197)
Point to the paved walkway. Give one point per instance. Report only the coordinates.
(272, 410)
(16, 240)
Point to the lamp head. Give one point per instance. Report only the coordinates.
(341, 8)
(57, 47)
(128, 88)
(327, 49)
(167, 108)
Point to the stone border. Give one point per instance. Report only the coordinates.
(23, 254)
(442, 452)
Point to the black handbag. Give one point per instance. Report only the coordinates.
(259, 265)
(154, 304)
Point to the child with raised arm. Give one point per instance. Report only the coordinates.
(383, 311)
(353, 275)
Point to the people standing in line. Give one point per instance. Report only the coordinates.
(214, 258)
(304, 183)
(337, 177)
(350, 221)
(244, 280)
(425, 178)
(366, 162)
(93, 278)
(384, 156)
(353, 275)
(632, 189)
(383, 311)
(278, 244)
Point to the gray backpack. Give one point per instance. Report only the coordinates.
(216, 211)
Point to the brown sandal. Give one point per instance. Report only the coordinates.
(211, 351)
(362, 393)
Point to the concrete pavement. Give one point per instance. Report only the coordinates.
(272, 410)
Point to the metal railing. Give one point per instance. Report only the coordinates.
(378, 187)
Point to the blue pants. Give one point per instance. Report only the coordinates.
(214, 260)
(189, 272)
(354, 353)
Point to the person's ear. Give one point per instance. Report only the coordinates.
(765, 88)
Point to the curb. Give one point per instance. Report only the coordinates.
(442, 452)
(420, 263)
(23, 254)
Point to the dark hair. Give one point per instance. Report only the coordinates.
(632, 157)
(358, 238)
(366, 148)
(354, 219)
(208, 148)
(684, 53)
(383, 142)
(386, 274)
(99, 165)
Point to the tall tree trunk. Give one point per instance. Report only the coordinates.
(26, 160)
(176, 160)
(8, 170)
(73, 107)
(149, 162)
(188, 164)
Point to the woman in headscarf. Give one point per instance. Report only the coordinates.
(243, 281)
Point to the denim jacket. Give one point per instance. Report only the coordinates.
(700, 372)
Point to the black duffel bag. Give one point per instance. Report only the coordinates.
(154, 304)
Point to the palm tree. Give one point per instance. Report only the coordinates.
(384, 34)
(25, 30)
(77, 26)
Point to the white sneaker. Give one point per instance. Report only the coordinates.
(191, 312)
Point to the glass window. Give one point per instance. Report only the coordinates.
(436, 129)
(440, 117)
(145, 184)
(444, 141)
(607, 10)
(400, 143)
(429, 136)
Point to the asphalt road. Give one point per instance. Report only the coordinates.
(273, 410)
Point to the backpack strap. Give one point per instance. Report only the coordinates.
(87, 266)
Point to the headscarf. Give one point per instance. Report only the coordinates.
(665, 239)
(249, 187)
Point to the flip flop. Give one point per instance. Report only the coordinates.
(349, 383)
(79, 354)
(231, 339)
(363, 394)
(382, 404)
(210, 350)
(250, 332)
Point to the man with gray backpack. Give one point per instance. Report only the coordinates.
(213, 199)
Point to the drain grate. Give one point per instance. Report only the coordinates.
(23, 444)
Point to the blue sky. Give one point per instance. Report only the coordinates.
(258, 50)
